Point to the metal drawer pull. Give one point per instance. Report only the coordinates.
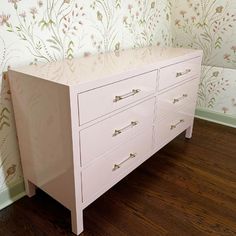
(118, 98)
(180, 98)
(119, 131)
(178, 74)
(175, 126)
(117, 166)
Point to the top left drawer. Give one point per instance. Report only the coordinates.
(101, 101)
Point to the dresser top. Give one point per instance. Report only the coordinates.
(84, 70)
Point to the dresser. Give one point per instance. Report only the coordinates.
(84, 124)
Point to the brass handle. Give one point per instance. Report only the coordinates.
(175, 126)
(180, 98)
(134, 92)
(178, 74)
(117, 166)
(119, 131)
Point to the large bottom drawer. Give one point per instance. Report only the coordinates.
(106, 171)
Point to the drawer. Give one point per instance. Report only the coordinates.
(107, 134)
(184, 96)
(106, 171)
(176, 73)
(169, 127)
(98, 102)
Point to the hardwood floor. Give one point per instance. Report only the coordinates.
(187, 188)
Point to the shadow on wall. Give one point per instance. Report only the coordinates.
(9, 152)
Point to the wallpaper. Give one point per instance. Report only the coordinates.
(210, 25)
(48, 30)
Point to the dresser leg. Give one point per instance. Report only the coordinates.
(189, 131)
(77, 221)
(29, 188)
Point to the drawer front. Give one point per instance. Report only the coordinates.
(107, 134)
(176, 73)
(183, 96)
(106, 171)
(101, 101)
(169, 127)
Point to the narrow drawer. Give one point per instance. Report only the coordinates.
(169, 127)
(106, 171)
(107, 134)
(184, 96)
(101, 101)
(176, 73)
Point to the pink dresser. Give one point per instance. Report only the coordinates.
(84, 124)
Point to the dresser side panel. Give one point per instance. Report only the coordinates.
(43, 121)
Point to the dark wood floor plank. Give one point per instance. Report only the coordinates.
(187, 188)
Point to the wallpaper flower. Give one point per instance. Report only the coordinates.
(49, 30)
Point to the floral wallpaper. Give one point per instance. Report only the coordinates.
(210, 25)
(48, 30)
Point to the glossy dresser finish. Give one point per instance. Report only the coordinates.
(84, 124)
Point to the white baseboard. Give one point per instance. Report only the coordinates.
(12, 194)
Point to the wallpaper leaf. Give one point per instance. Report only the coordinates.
(4, 119)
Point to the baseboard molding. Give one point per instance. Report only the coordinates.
(12, 194)
(223, 119)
